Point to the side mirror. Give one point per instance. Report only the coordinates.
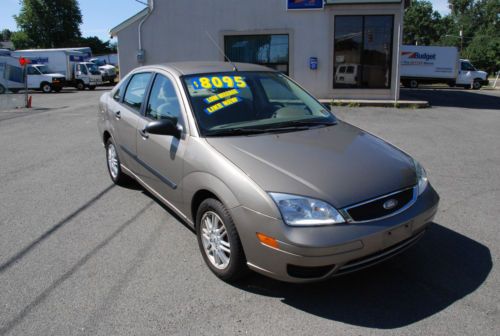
(164, 127)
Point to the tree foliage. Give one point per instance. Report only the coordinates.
(21, 40)
(473, 26)
(50, 23)
(96, 44)
(5, 35)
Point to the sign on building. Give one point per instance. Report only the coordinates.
(305, 4)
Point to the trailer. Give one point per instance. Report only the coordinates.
(430, 64)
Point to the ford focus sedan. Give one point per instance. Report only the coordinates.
(269, 178)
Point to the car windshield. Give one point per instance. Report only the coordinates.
(43, 69)
(93, 68)
(235, 103)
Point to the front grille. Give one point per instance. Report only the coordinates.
(375, 209)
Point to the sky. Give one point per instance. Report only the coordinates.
(99, 16)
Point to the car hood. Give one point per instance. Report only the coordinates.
(340, 164)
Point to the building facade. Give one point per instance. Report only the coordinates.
(342, 49)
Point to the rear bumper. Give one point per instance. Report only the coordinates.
(317, 253)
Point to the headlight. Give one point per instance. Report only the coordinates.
(303, 211)
(422, 179)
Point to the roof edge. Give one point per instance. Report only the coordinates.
(114, 31)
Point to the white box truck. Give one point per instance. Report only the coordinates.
(39, 76)
(428, 65)
(74, 64)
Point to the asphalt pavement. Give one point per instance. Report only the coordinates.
(79, 256)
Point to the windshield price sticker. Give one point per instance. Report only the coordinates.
(220, 96)
(223, 104)
(219, 82)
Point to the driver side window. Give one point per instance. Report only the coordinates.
(163, 101)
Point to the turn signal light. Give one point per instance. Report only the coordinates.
(266, 240)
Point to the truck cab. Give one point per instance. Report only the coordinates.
(108, 71)
(86, 75)
(469, 76)
(40, 77)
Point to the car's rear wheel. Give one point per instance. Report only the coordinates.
(91, 87)
(414, 84)
(219, 242)
(114, 165)
(2, 89)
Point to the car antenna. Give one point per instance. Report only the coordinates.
(235, 68)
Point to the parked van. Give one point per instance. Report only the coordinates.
(73, 64)
(39, 76)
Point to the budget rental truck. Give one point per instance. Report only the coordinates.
(74, 64)
(429, 65)
(39, 76)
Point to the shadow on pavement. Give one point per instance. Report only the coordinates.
(454, 98)
(441, 269)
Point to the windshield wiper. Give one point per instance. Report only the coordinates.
(250, 131)
(235, 131)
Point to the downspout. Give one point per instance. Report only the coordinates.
(141, 52)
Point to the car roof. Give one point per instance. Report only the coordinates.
(191, 68)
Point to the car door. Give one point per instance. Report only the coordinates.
(34, 78)
(465, 74)
(125, 109)
(162, 156)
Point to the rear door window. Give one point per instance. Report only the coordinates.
(136, 90)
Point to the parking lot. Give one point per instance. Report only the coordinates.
(79, 256)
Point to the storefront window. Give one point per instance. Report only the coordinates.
(363, 51)
(268, 50)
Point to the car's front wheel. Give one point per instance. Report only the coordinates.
(219, 242)
(113, 163)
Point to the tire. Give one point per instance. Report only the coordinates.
(214, 242)
(476, 85)
(414, 84)
(2, 89)
(80, 86)
(46, 87)
(92, 87)
(113, 164)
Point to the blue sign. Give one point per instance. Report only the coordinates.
(313, 63)
(306, 4)
(78, 58)
(38, 60)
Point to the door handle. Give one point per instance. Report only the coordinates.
(118, 115)
(143, 134)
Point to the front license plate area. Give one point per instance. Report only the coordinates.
(397, 234)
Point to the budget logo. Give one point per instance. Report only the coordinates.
(419, 56)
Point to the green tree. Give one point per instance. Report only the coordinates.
(5, 35)
(422, 25)
(50, 23)
(21, 40)
(96, 44)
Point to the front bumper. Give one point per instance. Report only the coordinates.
(316, 253)
(485, 82)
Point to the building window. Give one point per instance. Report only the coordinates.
(268, 50)
(363, 51)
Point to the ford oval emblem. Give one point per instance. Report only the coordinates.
(390, 204)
